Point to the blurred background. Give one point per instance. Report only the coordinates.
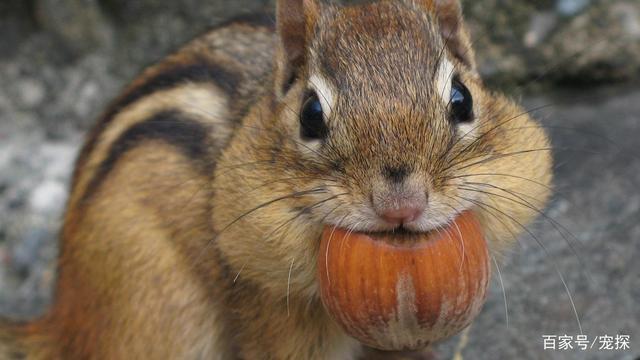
(574, 63)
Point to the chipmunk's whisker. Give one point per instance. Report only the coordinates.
(504, 291)
(606, 139)
(326, 256)
(484, 205)
(462, 176)
(301, 212)
(489, 158)
(289, 285)
(256, 208)
(562, 230)
(235, 278)
(285, 180)
(269, 236)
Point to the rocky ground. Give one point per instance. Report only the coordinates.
(62, 60)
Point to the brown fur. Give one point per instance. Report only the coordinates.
(193, 224)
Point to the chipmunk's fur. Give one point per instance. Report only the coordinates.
(194, 220)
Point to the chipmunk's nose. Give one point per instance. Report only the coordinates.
(402, 214)
(399, 204)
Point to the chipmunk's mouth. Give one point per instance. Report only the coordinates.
(404, 233)
(400, 235)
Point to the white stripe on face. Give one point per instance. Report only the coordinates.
(325, 91)
(443, 79)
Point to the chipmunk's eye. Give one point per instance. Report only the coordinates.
(461, 103)
(312, 125)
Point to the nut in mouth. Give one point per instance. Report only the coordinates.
(399, 297)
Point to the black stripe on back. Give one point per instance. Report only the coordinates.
(188, 136)
(200, 71)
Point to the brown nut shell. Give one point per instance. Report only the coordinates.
(404, 294)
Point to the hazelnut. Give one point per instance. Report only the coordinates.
(404, 292)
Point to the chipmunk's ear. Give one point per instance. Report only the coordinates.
(294, 23)
(452, 28)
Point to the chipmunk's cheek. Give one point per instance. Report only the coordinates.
(401, 292)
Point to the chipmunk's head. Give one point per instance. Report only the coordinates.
(387, 114)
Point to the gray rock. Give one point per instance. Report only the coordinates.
(541, 25)
(573, 41)
(31, 92)
(571, 7)
(79, 24)
(16, 24)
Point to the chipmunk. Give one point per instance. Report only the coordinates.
(197, 204)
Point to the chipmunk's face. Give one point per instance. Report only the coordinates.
(382, 115)
(394, 125)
